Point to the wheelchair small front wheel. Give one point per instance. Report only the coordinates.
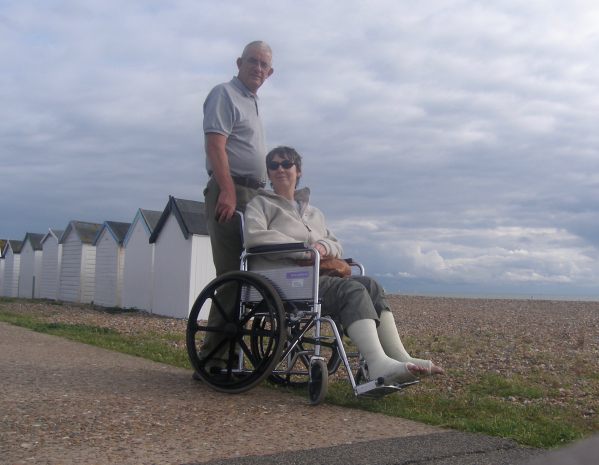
(319, 380)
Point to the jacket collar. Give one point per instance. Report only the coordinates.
(302, 196)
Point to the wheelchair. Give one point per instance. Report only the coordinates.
(273, 328)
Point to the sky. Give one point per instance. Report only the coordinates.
(452, 145)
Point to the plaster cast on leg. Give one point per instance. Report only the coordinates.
(394, 348)
(364, 334)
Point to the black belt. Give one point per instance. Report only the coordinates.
(248, 182)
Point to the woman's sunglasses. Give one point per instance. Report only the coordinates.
(274, 165)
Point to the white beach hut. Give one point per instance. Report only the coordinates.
(139, 265)
(31, 266)
(2, 245)
(78, 262)
(51, 257)
(182, 258)
(110, 263)
(12, 268)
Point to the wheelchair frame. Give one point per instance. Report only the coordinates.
(266, 335)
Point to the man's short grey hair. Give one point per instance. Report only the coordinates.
(257, 43)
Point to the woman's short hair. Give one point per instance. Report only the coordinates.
(286, 153)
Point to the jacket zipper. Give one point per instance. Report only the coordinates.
(301, 217)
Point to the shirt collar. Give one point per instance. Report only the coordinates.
(242, 88)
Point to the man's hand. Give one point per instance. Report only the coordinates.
(225, 205)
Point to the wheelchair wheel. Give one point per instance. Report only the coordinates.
(319, 381)
(229, 364)
(294, 370)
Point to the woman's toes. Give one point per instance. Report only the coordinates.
(416, 369)
(437, 370)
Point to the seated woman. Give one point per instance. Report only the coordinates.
(358, 302)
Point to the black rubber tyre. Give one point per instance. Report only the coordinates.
(319, 381)
(237, 332)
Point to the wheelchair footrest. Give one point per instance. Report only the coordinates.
(377, 388)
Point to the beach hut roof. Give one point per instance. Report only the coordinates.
(34, 239)
(117, 229)
(189, 214)
(53, 232)
(16, 246)
(149, 220)
(86, 232)
(2, 244)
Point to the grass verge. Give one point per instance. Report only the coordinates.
(483, 407)
(157, 347)
(532, 425)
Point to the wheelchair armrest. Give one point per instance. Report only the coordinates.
(279, 247)
(352, 262)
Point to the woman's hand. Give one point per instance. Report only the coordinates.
(310, 261)
(321, 249)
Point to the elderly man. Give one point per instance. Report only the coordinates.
(235, 153)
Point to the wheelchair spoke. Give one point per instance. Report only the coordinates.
(231, 358)
(265, 343)
(209, 329)
(209, 356)
(219, 307)
(263, 332)
(251, 314)
(247, 352)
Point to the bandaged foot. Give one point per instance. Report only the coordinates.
(363, 333)
(393, 371)
(428, 367)
(394, 348)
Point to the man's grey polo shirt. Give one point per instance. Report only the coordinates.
(232, 110)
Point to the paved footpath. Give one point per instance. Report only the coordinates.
(64, 403)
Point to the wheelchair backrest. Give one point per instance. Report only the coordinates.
(291, 282)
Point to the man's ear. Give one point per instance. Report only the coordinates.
(239, 62)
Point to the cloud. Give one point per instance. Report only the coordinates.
(504, 255)
(450, 142)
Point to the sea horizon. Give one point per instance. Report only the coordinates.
(500, 296)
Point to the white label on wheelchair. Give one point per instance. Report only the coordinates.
(292, 283)
(297, 278)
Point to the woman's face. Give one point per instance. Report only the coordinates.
(283, 179)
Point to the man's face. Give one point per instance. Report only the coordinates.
(254, 67)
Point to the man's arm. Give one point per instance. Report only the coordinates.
(227, 199)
